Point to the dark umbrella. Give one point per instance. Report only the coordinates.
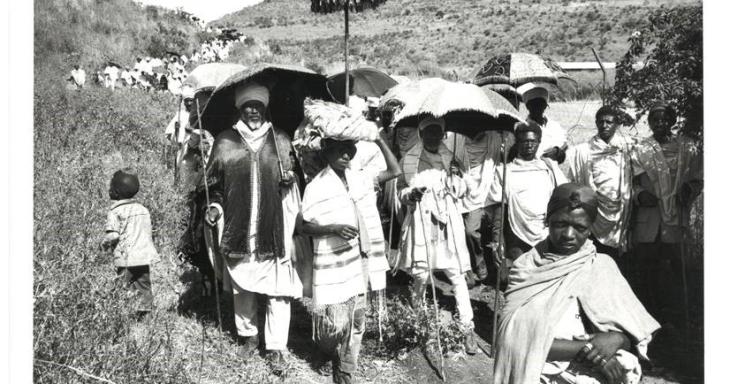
(114, 64)
(328, 6)
(518, 68)
(288, 84)
(367, 82)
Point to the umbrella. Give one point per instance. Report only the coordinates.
(328, 6)
(467, 109)
(516, 69)
(171, 53)
(367, 82)
(506, 91)
(209, 76)
(288, 84)
(113, 64)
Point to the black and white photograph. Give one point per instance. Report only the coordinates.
(365, 191)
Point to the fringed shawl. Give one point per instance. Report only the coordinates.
(540, 286)
(338, 266)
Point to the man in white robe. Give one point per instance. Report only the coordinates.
(554, 139)
(604, 164)
(530, 182)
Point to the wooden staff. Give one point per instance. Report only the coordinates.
(433, 288)
(207, 204)
(500, 246)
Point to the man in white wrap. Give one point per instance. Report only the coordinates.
(554, 140)
(479, 156)
(530, 181)
(339, 211)
(429, 190)
(253, 189)
(569, 316)
(604, 164)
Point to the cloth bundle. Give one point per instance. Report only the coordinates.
(336, 121)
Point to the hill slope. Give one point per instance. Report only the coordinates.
(452, 34)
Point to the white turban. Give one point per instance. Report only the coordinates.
(188, 92)
(532, 91)
(251, 91)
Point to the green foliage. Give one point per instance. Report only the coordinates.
(670, 45)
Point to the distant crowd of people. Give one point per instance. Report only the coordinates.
(154, 74)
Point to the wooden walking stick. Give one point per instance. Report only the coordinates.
(500, 246)
(207, 204)
(682, 260)
(433, 289)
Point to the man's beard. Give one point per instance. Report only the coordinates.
(254, 125)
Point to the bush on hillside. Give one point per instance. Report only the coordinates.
(670, 45)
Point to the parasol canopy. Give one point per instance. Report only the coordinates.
(367, 82)
(518, 68)
(329, 6)
(288, 86)
(467, 109)
(209, 76)
(113, 64)
(393, 101)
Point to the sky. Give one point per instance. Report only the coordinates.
(206, 10)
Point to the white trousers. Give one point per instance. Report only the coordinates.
(278, 316)
(461, 292)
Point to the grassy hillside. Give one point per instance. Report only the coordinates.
(90, 32)
(455, 35)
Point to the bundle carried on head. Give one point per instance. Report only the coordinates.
(329, 120)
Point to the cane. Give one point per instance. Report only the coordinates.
(433, 289)
(682, 256)
(500, 246)
(207, 202)
(176, 171)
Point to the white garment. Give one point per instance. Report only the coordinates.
(461, 292)
(529, 187)
(368, 159)
(606, 168)
(278, 317)
(254, 139)
(79, 77)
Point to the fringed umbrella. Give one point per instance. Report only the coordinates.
(287, 84)
(206, 77)
(507, 91)
(466, 108)
(329, 6)
(367, 82)
(518, 68)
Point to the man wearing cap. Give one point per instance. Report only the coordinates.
(669, 179)
(253, 192)
(604, 164)
(432, 234)
(530, 182)
(561, 290)
(554, 140)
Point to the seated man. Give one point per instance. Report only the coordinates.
(569, 315)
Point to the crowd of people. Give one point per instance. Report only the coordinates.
(165, 74)
(588, 236)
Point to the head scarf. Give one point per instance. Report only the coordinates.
(125, 183)
(251, 91)
(188, 92)
(573, 196)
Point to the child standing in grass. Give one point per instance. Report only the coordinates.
(129, 234)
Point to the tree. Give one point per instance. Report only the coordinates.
(672, 71)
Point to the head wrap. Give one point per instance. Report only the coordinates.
(125, 183)
(573, 196)
(430, 120)
(251, 91)
(532, 91)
